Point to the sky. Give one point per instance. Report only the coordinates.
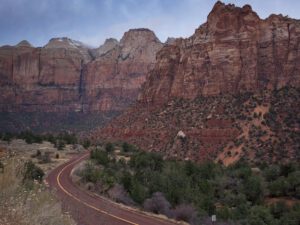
(92, 21)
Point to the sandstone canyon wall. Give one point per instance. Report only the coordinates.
(216, 94)
(65, 76)
(234, 51)
(41, 79)
(113, 80)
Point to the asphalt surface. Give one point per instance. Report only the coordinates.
(89, 209)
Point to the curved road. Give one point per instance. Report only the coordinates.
(89, 209)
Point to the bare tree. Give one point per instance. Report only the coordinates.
(157, 204)
(185, 212)
(119, 194)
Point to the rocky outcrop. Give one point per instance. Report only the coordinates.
(234, 51)
(170, 41)
(70, 45)
(24, 43)
(108, 45)
(64, 75)
(114, 79)
(201, 85)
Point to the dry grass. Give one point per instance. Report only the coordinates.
(24, 151)
(20, 205)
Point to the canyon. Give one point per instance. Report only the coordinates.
(229, 91)
(215, 95)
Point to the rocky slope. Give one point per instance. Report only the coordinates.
(66, 77)
(198, 100)
(254, 126)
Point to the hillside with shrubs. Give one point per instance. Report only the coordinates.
(242, 193)
(256, 127)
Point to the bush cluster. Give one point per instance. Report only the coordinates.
(59, 141)
(32, 172)
(187, 191)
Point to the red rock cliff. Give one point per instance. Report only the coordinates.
(65, 76)
(215, 94)
(113, 80)
(42, 79)
(234, 51)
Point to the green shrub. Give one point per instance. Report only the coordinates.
(38, 153)
(30, 137)
(101, 157)
(127, 147)
(86, 144)
(279, 187)
(7, 137)
(292, 217)
(69, 138)
(60, 144)
(109, 147)
(45, 158)
(279, 209)
(253, 189)
(272, 172)
(138, 192)
(144, 161)
(294, 181)
(126, 180)
(1, 167)
(259, 215)
(32, 172)
(90, 174)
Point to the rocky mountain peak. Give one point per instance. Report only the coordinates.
(64, 42)
(69, 44)
(228, 18)
(139, 43)
(111, 41)
(170, 41)
(220, 6)
(24, 43)
(138, 36)
(108, 45)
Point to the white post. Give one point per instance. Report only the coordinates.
(213, 219)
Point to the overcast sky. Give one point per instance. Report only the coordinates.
(92, 21)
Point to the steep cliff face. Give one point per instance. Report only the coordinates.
(63, 76)
(210, 96)
(66, 77)
(113, 80)
(41, 79)
(234, 51)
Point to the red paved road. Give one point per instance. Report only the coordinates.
(88, 209)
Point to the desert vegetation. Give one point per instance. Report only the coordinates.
(53, 122)
(59, 140)
(24, 199)
(238, 194)
(257, 127)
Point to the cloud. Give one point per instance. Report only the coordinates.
(92, 21)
